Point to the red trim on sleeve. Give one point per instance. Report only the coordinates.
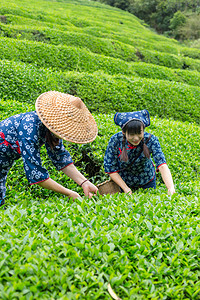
(159, 167)
(39, 181)
(66, 166)
(111, 172)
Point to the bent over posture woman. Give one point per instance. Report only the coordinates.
(128, 156)
(58, 116)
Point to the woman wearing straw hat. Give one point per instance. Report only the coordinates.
(58, 116)
(127, 159)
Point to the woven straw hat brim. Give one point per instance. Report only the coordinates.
(67, 117)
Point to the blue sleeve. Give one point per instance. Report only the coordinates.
(59, 156)
(30, 150)
(34, 170)
(111, 163)
(155, 149)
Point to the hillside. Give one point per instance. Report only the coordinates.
(146, 245)
(104, 46)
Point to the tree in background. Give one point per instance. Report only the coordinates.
(165, 16)
(178, 20)
(191, 29)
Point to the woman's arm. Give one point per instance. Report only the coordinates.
(50, 184)
(88, 188)
(117, 179)
(167, 178)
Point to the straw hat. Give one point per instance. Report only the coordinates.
(67, 117)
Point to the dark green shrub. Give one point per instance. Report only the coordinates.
(101, 92)
(159, 72)
(191, 52)
(168, 60)
(61, 57)
(103, 46)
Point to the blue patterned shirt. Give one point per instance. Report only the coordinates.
(142, 171)
(23, 135)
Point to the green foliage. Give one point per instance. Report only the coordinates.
(191, 52)
(107, 47)
(152, 71)
(21, 82)
(78, 59)
(191, 29)
(195, 44)
(103, 93)
(164, 16)
(59, 250)
(146, 245)
(173, 135)
(178, 20)
(60, 57)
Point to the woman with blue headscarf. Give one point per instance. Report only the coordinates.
(128, 156)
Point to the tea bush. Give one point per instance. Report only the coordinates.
(103, 46)
(61, 57)
(181, 155)
(116, 93)
(193, 53)
(152, 71)
(107, 46)
(101, 92)
(77, 59)
(147, 244)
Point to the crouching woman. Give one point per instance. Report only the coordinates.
(128, 155)
(58, 116)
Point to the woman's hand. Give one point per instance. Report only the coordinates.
(167, 178)
(128, 191)
(73, 195)
(50, 184)
(171, 191)
(89, 189)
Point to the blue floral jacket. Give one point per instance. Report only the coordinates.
(142, 171)
(23, 135)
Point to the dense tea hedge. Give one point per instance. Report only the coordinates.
(159, 72)
(146, 245)
(103, 93)
(190, 52)
(179, 141)
(60, 57)
(77, 59)
(103, 46)
(117, 93)
(168, 60)
(107, 46)
(29, 28)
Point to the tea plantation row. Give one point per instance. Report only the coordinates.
(140, 38)
(101, 92)
(179, 141)
(75, 58)
(145, 245)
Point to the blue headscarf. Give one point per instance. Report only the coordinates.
(121, 119)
